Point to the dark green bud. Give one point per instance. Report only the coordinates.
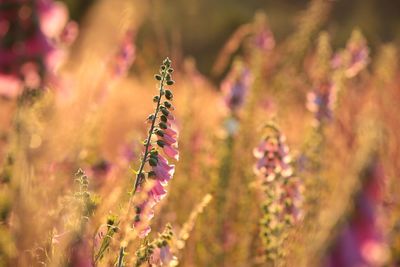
(165, 112)
(170, 82)
(168, 94)
(167, 104)
(163, 119)
(160, 143)
(168, 77)
(171, 70)
(155, 99)
(159, 132)
(153, 161)
(138, 210)
(137, 218)
(163, 125)
(157, 77)
(167, 62)
(110, 220)
(151, 174)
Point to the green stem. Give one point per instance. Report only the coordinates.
(121, 257)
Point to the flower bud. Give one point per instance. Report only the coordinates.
(170, 82)
(160, 143)
(138, 210)
(137, 218)
(167, 104)
(159, 132)
(163, 125)
(153, 162)
(163, 119)
(165, 112)
(157, 77)
(168, 94)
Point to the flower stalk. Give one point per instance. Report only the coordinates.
(165, 78)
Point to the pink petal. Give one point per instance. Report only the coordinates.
(171, 152)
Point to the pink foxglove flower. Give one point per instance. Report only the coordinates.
(263, 38)
(162, 256)
(125, 55)
(31, 47)
(283, 191)
(361, 241)
(236, 86)
(156, 153)
(355, 57)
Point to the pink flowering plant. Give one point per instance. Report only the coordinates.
(283, 192)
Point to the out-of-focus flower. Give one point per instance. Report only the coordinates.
(157, 252)
(32, 47)
(125, 55)
(321, 101)
(361, 241)
(283, 192)
(81, 255)
(263, 38)
(236, 86)
(162, 256)
(322, 98)
(355, 57)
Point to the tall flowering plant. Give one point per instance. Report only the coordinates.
(161, 144)
(152, 175)
(282, 192)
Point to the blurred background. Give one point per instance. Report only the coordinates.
(200, 28)
(287, 119)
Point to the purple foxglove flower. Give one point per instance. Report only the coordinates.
(321, 101)
(361, 241)
(30, 50)
(236, 86)
(283, 191)
(125, 55)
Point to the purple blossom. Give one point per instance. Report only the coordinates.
(31, 49)
(236, 86)
(283, 195)
(125, 55)
(264, 38)
(162, 256)
(361, 241)
(321, 101)
(273, 167)
(354, 58)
